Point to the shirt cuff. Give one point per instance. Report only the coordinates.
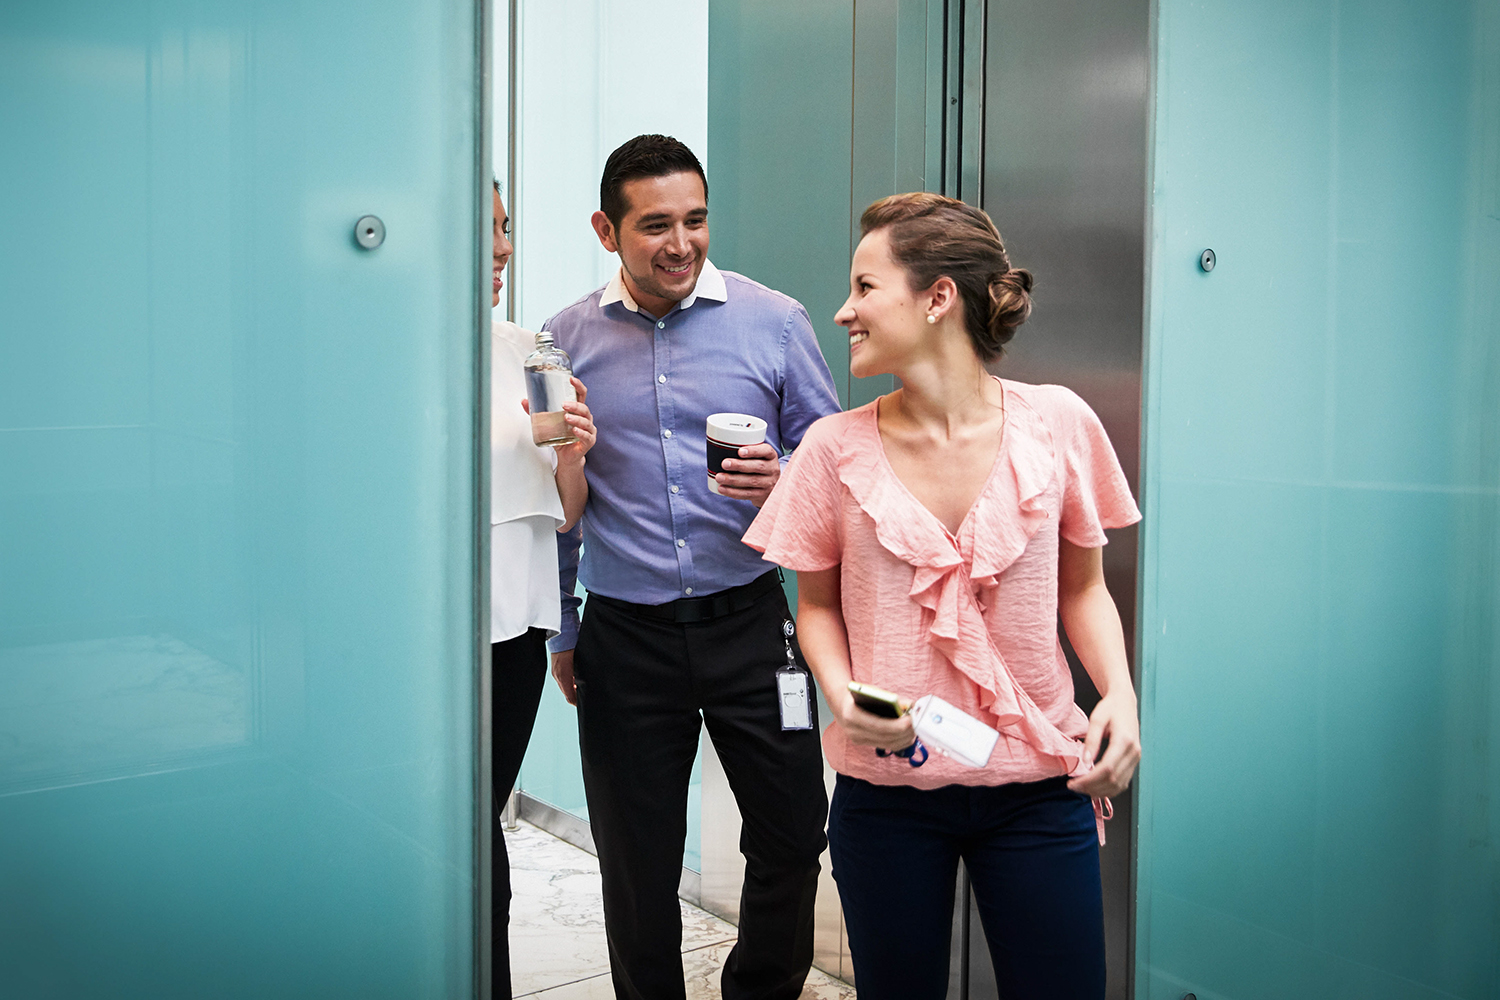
(567, 637)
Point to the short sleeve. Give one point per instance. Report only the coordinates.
(799, 527)
(1095, 493)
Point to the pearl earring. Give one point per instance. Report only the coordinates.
(931, 318)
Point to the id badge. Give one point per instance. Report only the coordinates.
(794, 698)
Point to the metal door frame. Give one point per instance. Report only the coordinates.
(961, 118)
(484, 799)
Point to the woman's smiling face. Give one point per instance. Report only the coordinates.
(884, 316)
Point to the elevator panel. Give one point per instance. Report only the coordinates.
(1064, 168)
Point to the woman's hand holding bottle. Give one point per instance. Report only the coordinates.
(572, 486)
(581, 420)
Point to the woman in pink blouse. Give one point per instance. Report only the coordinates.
(937, 534)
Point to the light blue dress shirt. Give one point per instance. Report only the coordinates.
(652, 532)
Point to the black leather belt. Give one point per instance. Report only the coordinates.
(686, 610)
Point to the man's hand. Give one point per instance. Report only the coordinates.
(562, 672)
(753, 475)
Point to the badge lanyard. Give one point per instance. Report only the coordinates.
(916, 754)
(792, 693)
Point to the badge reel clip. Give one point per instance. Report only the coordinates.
(792, 694)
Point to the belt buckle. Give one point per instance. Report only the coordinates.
(689, 611)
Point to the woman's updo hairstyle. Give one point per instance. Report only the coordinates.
(931, 236)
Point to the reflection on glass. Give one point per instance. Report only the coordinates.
(97, 708)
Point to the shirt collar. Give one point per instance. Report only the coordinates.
(710, 286)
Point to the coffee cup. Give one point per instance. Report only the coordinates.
(727, 433)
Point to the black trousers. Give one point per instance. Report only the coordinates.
(642, 684)
(518, 672)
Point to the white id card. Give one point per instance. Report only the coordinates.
(792, 695)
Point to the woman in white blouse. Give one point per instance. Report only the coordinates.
(535, 493)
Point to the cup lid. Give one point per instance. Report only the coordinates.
(736, 428)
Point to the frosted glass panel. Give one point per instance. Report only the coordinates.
(1321, 788)
(236, 477)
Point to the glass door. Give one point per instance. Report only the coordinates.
(1320, 786)
(238, 644)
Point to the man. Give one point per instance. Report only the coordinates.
(683, 620)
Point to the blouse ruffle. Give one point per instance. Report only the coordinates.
(953, 602)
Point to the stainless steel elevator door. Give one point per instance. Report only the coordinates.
(1064, 177)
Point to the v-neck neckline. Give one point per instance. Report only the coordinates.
(885, 462)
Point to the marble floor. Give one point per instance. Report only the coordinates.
(557, 929)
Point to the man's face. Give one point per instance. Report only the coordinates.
(663, 238)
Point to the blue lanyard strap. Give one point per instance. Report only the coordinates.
(916, 754)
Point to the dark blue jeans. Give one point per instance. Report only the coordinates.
(1032, 852)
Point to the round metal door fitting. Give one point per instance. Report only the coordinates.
(1207, 260)
(369, 232)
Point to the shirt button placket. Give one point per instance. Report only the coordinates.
(664, 404)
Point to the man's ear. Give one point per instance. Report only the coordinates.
(606, 232)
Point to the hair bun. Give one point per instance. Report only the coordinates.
(1010, 303)
(932, 236)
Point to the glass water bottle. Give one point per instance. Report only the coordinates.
(549, 384)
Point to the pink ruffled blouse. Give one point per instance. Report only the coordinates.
(970, 617)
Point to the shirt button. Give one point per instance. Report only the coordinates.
(661, 378)
(666, 434)
(681, 542)
(660, 325)
(674, 489)
(688, 591)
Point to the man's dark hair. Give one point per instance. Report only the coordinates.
(643, 156)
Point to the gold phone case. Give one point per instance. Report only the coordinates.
(879, 695)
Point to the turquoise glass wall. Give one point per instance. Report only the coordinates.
(237, 545)
(1321, 786)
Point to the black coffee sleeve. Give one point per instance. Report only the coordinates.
(717, 453)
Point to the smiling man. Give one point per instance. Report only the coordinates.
(684, 623)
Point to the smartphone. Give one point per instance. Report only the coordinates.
(877, 701)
